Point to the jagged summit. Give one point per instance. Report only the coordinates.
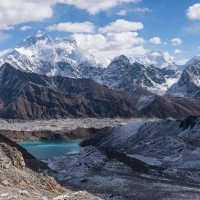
(32, 40)
(189, 83)
(122, 59)
(194, 60)
(157, 58)
(43, 55)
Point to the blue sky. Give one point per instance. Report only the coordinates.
(107, 27)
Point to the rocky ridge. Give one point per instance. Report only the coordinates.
(32, 96)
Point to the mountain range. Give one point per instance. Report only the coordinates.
(43, 55)
(25, 95)
(45, 78)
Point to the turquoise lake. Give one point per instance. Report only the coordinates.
(48, 150)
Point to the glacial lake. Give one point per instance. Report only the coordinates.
(48, 150)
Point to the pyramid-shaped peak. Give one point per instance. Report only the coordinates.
(33, 39)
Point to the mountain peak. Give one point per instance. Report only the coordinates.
(6, 67)
(32, 40)
(157, 58)
(193, 61)
(120, 59)
(40, 33)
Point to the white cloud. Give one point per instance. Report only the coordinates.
(95, 6)
(122, 13)
(119, 37)
(85, 27)
(111, 44)
(193, 12)
(143, 10)
(176, 42)
(122, 25)
(138, 9)
(178, 51)
(14, 12)
(155, 40)
(127, 39)
(25, 28)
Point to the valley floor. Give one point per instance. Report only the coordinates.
(58, 129)
(62, 124)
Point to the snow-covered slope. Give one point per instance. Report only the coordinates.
(124, 75)
(189, 83)
(41, 54)
(157, 58)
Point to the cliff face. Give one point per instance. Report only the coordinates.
(29, 160)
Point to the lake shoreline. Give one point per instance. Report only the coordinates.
(44, 150)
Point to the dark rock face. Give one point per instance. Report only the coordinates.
(30, 161)
(123, 75)
(189, 122)
(175, 107)
(32, 96)
(151, 105)
(189, 84)
(48, 135)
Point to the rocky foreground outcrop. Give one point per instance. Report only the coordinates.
(19, 182)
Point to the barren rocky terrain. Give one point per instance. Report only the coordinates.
(154, 160)
(58, 129)
(62, 124)
(18, 182)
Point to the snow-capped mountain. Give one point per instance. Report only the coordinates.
(121, 74)
(158, 59)
(194, 60)
(189, 83)
(124, 75)
(41, 54)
